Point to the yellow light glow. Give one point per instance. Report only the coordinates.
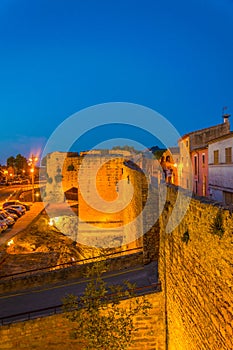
(51, 222)
(56, 219)
(10, 242)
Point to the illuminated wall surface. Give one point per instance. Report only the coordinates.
(194, 308)
(195, 268)
(52, 333)
(108, 191)
(197, 277)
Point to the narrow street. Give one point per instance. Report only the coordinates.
(144, 278)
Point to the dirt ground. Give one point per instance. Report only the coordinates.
(40, 246)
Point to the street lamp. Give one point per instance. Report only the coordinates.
(31, 163)
(6, 175)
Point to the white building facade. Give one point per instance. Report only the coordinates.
(220, 155)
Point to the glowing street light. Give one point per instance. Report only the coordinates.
(6, 175)
(32, 162)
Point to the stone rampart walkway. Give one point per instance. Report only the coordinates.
(22, 222)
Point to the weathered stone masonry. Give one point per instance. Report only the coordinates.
(53, 332)
(197, 277)
(195, 306)
(65, 173)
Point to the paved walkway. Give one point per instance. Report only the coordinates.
(22, 222)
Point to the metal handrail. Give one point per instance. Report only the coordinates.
(28, 315)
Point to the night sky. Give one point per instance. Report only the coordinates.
(60, 56)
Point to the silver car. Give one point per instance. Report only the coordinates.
(6, 214)
(7, 219)
(20, 208)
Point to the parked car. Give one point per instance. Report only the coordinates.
(4, 183)
(13, 211)
(16, 202)
(19, 207)
(6, 213)
(3, 226)
(7, 219)
(25, 182)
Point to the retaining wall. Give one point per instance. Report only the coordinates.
(53, 332)
(196, 263)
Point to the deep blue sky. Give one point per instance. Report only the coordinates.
(59, 56)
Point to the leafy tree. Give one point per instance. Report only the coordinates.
(99, 319)
(157, 152)
(20, 163)
(11, 161)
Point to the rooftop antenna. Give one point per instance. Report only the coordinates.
(223, 110)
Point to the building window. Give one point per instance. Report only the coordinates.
(195, 165)
(195, 188)
(203, 160)
(216, 157)
(204, 186)
(228, 197)
(228, 155)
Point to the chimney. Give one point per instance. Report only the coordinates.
(226, 118)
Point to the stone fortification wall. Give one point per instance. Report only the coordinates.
(115, 176)
(197, 277)
(103, 185)
(195, 268)
(53, 332)
(195, 261)
(53, 190)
